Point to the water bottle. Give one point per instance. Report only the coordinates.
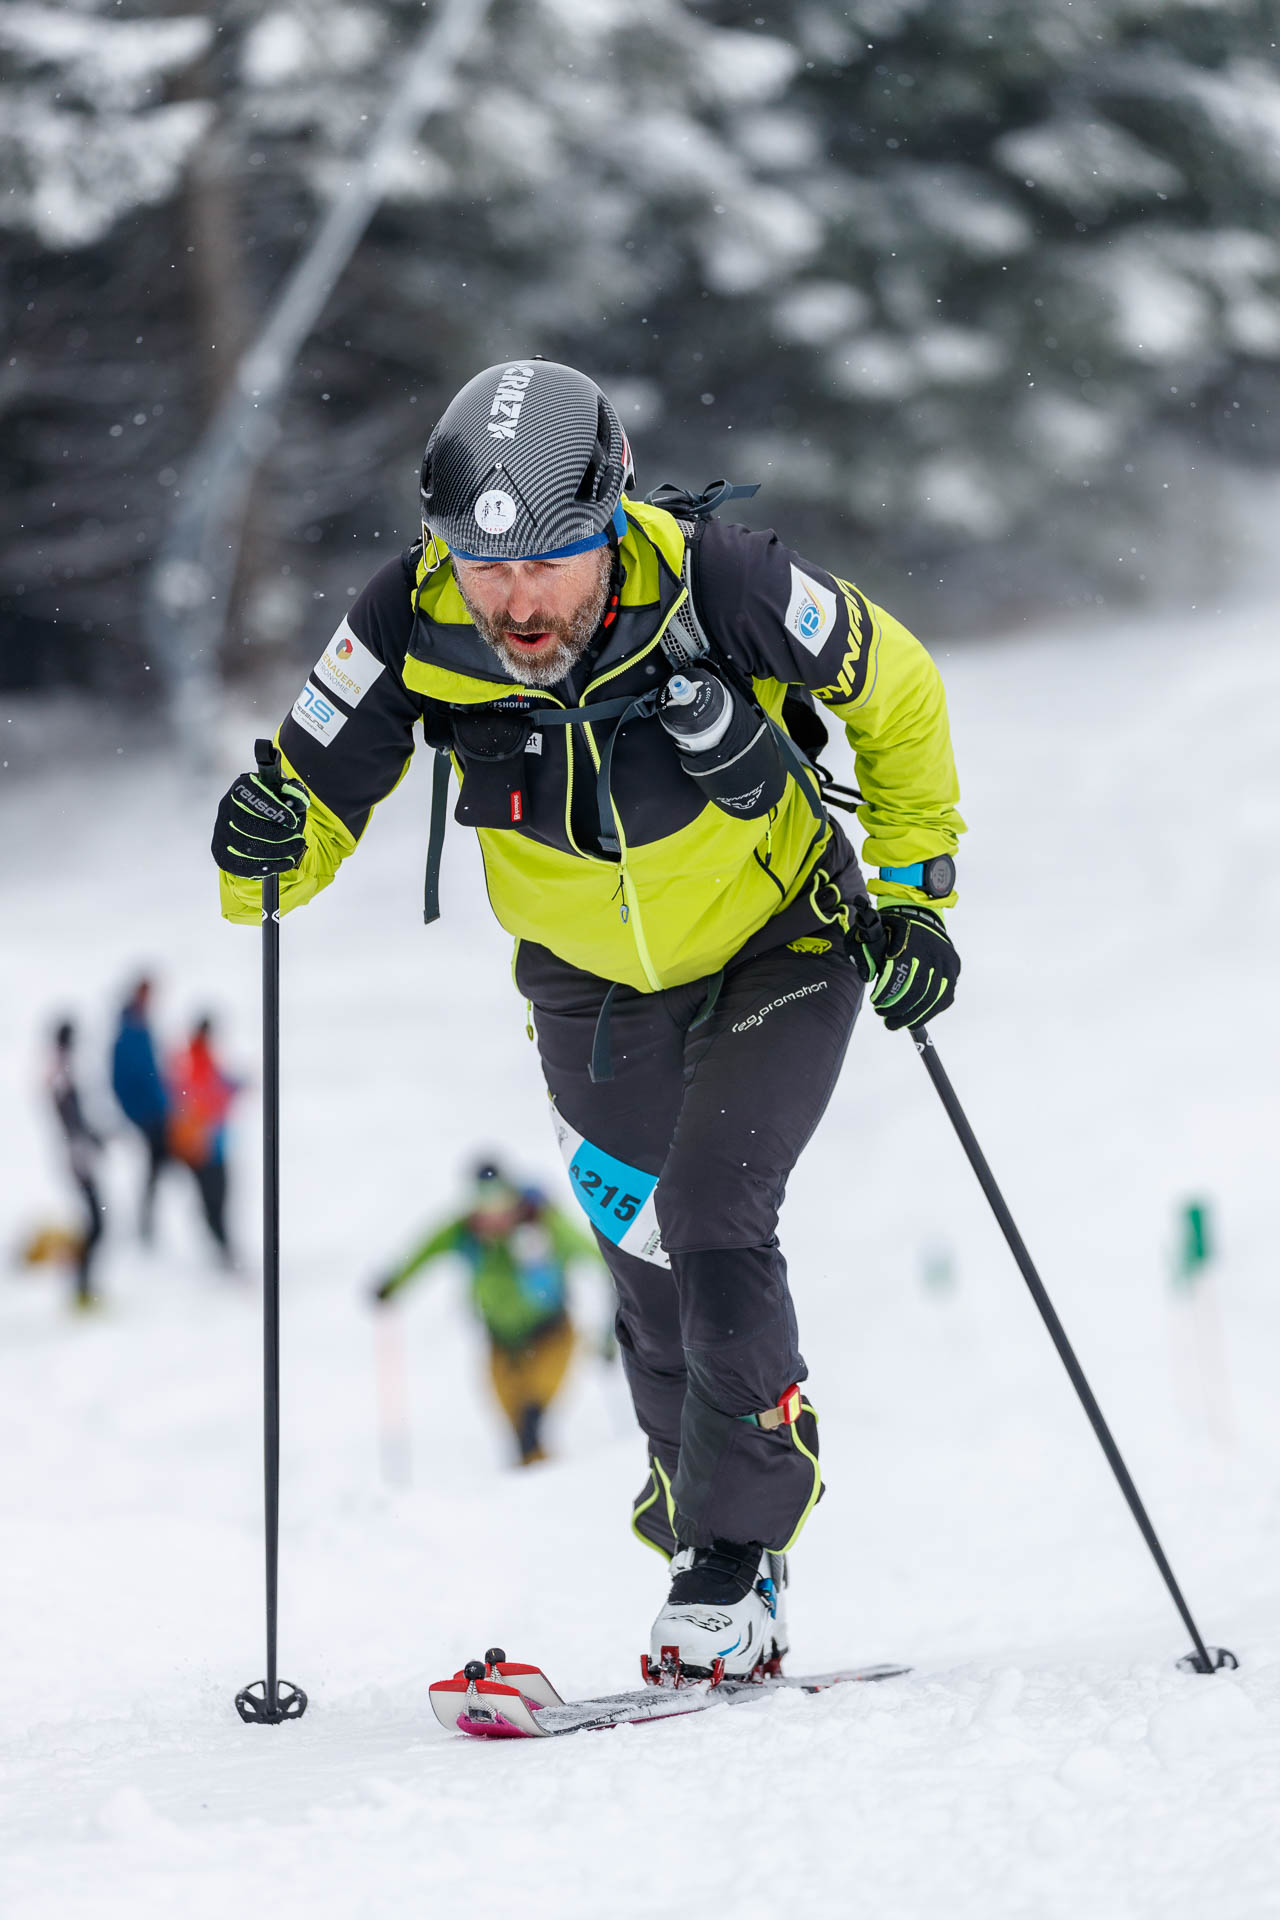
(724, 743)
(696, 712)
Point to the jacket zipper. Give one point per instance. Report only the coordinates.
(568, 773)
(635, 920)
(630, 905)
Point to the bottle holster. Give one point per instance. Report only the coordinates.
(744, 773)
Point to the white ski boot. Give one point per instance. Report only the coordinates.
(725, 1617)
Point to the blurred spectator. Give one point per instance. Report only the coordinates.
(83, 1149)
(139, 1088)
(200, 1095)
(516, 1246)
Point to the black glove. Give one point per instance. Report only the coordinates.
(913, 965)
(259, 828)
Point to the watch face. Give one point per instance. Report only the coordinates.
(939, 876)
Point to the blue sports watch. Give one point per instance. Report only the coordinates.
(935, 877)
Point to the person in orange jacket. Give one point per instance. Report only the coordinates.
(200, 1099)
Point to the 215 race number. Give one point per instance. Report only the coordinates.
(591, 1185)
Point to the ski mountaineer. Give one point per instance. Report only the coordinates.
(620, 686)
(517, 1248)
(84, 1151)
(201, 1094)
(140, 1092)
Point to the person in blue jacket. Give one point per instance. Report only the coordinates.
(140, 1090)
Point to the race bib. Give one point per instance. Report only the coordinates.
(617, 1199)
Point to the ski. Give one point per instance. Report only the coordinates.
(505, 1700)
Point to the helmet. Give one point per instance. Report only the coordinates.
(528, 462)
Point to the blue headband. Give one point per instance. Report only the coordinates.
(618, 525)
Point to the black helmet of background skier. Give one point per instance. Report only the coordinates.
(528, 462)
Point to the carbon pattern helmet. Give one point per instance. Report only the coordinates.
(528, 462)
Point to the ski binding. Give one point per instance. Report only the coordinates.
(500, 1699)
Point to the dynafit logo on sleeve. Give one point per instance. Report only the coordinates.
(507, 401)
(811, 612)
(346, 667)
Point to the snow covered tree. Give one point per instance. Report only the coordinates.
(93, 145)
(968, 284)
(1047, 261)
(87, 132)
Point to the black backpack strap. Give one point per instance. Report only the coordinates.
(686, 641)
(625, 707)
(684, 505)
(435, 838)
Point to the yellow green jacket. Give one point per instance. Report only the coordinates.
(690, 885)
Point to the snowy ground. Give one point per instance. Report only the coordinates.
(1116, 1045)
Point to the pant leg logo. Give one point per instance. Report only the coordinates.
(771, 1006)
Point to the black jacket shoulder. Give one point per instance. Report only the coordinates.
(774, 614)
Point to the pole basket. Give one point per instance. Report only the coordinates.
(1220, 1658)
(290, 1703)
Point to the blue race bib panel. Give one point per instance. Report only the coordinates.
(617, 1199)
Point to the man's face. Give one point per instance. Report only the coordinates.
(539, 616)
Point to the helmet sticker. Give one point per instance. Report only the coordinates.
(495, 512)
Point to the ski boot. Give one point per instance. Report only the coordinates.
(724, 1619)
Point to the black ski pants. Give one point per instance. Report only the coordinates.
(92, 1235)
(156, 1135)
(211, 1179)
(718, 1105)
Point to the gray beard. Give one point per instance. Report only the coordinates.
(573, 637)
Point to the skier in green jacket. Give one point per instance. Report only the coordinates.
(518, 1248)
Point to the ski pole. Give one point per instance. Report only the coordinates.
(395, 1443)
(1204, 1659)
(271, 1700)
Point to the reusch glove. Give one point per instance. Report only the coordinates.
(914, 967)
(259, 828)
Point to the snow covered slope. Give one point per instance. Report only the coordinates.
(1116, 1045)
